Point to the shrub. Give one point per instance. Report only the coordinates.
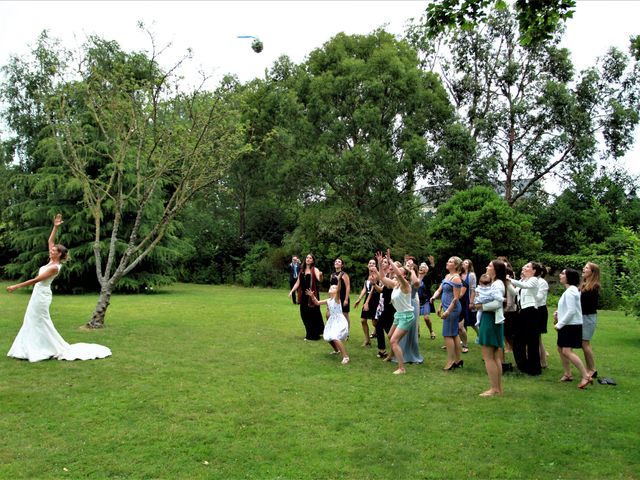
(264, 266)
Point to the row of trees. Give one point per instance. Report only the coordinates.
(348, 152)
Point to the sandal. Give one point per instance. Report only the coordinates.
(433, 336)
(465, 349)
(566, 378)
(584, 383)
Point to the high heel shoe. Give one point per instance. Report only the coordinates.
(583, 384)
(451, 367)
(594, 374)
(460, 364)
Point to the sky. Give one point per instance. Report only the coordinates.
(293, 28)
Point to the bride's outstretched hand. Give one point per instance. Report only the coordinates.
(57, 221)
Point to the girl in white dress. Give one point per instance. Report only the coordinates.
(38, 339)
(336, 330)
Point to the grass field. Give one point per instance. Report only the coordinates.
(216, 382)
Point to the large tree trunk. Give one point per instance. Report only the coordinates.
(97, 319)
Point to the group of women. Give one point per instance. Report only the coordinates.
(510, 315)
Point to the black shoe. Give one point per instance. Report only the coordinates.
(460, 364)
(594, 374)
(382, 354)
(507, 367)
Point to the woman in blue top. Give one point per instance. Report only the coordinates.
(467, 294)
(449, 311)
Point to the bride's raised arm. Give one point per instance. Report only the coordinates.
(57, 221)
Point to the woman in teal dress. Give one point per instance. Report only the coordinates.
(491, 335)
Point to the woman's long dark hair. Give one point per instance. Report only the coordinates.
(500, 270)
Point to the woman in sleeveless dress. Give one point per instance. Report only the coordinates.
(371, 298)
(339, 276)
(449, 311)
(38, 338)
(308, 279)
(467, 294)
(409, 343)
(403, 318)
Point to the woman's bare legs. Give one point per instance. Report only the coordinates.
(396, 335)
(493, 363)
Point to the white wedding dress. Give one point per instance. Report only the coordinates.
(39, 340)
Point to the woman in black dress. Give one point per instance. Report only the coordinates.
(340, 276)
(309, 279)
(371, 298)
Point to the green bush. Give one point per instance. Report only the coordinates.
(629, 287)
(264, 266)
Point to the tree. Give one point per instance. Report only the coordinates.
(137, 146)
(583, 216)
(573, 221)
(374, 123)
(538, 19)
(529, 117)
(478, 224)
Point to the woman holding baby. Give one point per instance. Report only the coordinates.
(491, 334)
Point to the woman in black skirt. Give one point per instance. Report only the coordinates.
(568, 322)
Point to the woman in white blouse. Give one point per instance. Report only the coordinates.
(568, 322)
(526, 336)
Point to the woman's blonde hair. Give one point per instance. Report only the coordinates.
(592, 282)
(458, 262)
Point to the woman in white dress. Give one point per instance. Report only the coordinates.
(38, 339)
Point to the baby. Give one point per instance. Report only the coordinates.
(485, 294)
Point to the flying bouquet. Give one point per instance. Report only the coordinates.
(256, 45)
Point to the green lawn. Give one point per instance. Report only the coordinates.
(216, 382)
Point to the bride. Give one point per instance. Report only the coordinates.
(38, 339)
